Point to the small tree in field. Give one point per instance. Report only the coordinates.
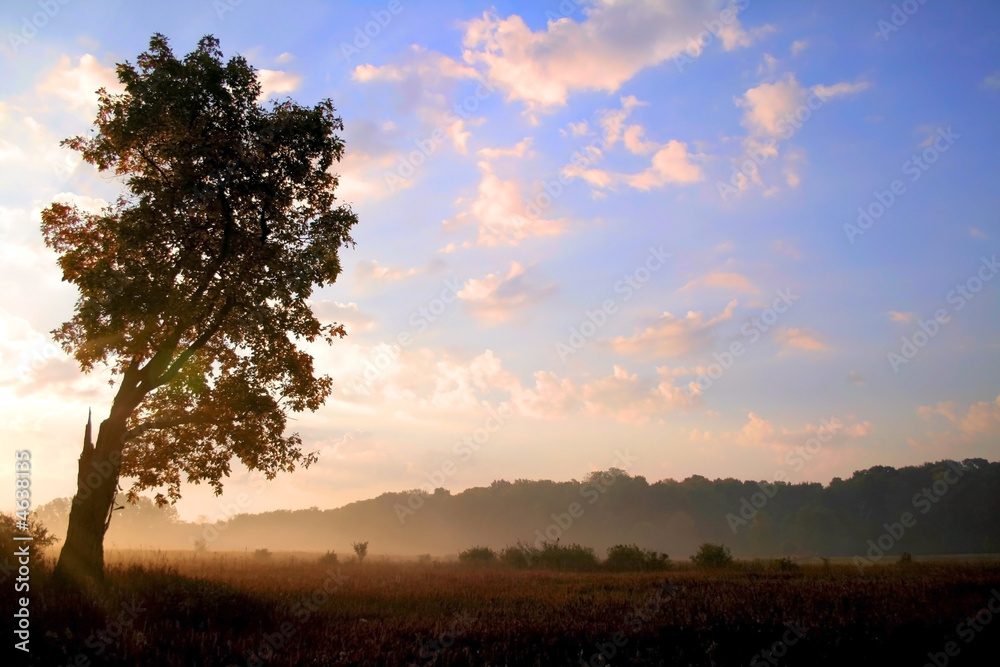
(194, 285)
(712, 556)
(360, 550)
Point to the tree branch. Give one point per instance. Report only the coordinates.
(198, 343)
(157, 424)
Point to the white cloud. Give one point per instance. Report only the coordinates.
(801, 339)
(427, 67)
(497, 298)
(78, 84)
(347, 314)
(274, 82)
(759, 432)
(576, 129)
(768, 65)
(787, 248)
(501, 214)
(976, 233)
(799, 46)
(435, 384)
(991, 82)
(730, 282)
(671, 165)
(634, 141)
(615, 40)
(370, 271)
(612, 121)
(902, 318)
(769, 105)
(672, 336)
(978, 423)
(520, 149)
(423, 81)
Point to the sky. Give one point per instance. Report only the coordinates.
(749, 239)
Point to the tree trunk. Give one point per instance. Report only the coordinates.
(82, 555)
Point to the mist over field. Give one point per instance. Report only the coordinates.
(956, 506)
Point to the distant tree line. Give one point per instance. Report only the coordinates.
(953, 507)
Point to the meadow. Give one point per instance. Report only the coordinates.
(221, 609)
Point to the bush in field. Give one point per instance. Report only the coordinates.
(573, 557)
(632, 558)
(520, 556)
(477, 555)
(329, 558)
(360, 550)
(200, 545)
(786, 564)
(712, 556)
(425, 559)
(262, 554)
(41, 537)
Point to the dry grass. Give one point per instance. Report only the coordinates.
(230, 609)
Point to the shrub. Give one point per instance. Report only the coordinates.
(573, 557)
(786, 564)
(520, 556)
(262, 554)
(200, 545)
(906, 559)
(360, 550)
(425, 559)
(477, 555)
(632, 558)
(41, 537)
(329, 558)
(712, 556)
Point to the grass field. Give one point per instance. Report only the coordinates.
(233, 609)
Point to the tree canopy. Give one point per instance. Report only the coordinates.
(194, 285)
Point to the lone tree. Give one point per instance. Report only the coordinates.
(195, 284)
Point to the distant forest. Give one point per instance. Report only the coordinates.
(947, 507)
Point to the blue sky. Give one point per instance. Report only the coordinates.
(631, 126)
